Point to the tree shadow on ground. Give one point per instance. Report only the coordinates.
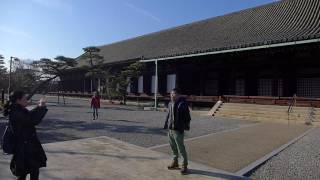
(52, 136)
(53, 130)
(56, 124)
(124, 108)
(127, 121)
(69, 105)
(123, 157)
(118, 108)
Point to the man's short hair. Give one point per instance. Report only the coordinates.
(176, 90)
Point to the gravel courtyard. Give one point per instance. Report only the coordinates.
(300, 161)
(144, 128)
(127, 123)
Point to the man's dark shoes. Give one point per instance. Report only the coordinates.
(184, 170)
(174, 165)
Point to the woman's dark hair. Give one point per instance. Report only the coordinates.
(177, 90)
(14, 96)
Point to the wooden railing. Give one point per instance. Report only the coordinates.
(268, 100)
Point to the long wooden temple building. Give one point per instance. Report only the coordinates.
(270, 52)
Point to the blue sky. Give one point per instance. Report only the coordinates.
(33, 29)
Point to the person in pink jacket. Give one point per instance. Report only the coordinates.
(95, 105)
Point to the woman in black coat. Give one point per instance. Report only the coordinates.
(28, 154)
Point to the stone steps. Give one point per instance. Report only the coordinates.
(269, 112)
(262, 110)
(257, 118)
(265, 112)
(255, 106)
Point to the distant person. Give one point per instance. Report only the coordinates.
(177, 121)
(28, 155)
(95, 105)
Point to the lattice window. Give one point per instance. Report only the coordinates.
(308, 87)
(240, 87)
(265, 87)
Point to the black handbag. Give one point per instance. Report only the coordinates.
(7, 141)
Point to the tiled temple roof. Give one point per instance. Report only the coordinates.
(278, 22)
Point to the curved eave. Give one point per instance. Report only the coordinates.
(234, 50)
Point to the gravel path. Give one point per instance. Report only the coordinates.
(300, 161)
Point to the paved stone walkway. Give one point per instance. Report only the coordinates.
(231, 151)
(103, 158)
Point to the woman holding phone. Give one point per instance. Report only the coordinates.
(28, 154)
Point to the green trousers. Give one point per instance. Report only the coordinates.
(176, 140)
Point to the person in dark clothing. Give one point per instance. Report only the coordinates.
(177, 121)
(28, 154)
(95, 105)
